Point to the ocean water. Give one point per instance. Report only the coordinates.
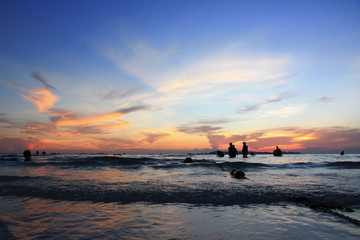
(100, 196)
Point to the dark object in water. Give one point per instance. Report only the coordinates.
(220, 154)
(277, 152)
(342, 152)
(188, 160)
(237, 173)
(27, 155)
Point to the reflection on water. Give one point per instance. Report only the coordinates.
(84, 197)
(38, 218)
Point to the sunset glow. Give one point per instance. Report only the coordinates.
(175, 76)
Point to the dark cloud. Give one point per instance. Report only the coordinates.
(4, 119)
(250, 108)
(117, 94)
(205, 129)
(153, 137)
(133, 109)
(326, 99)
(15, 83)
(42, 80)
(280, 97)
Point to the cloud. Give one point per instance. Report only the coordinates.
(42, 98)
(226, 70)
(326, 99)
(14, 83)
(41, 79)
(133, 109)
(72, 119)
(204, 129)
(152, 137)
(288, 111)
(306, 140)
(18, 145)
(177, 80)
(38, 128)
(4, 119)
(213, 121)
(118, 94)
(250, 108)
(273, 99)
(221, 141)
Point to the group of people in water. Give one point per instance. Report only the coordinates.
(245, 151)
(27, 154)
(233, 151)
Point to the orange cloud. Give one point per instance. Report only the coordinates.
(42, 98)
(71, 120)
(306, 140)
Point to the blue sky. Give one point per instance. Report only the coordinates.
(179, 75)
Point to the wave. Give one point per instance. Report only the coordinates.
(343, 164)
(338, 165)
(167, 163)
(242, 194)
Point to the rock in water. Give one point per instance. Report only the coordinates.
(188, 160)
(239, 174)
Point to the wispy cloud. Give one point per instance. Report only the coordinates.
(204, 129)
(36, 75)
(326, 99)
(14, 83)
(118, 94)
(271, 100)
(133, 109)
(288, 111)
(152, 137)
(75, 119)
(42, 98)
(217, 73)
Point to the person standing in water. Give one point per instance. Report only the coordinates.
(245, 150)
(232, 151)
(27, 155)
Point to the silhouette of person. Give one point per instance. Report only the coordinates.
(219, 153)
(277, 151)
(232, 150)
(245, 150)
(27, 155)
(342, 152)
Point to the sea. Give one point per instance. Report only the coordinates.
(159, 196)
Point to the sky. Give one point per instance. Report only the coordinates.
(149, 76)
